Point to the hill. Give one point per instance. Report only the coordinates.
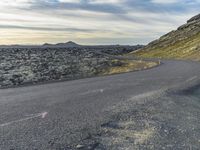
(67, 44)
(183, 43)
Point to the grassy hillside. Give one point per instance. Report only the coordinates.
(184, 43)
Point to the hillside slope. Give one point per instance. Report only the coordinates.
(183, 43)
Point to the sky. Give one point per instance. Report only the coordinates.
(91, 22)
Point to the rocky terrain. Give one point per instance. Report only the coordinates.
(183, 43)
(22, 65)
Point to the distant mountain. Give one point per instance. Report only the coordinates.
(47, 44)
(183, 43)
(67, 44)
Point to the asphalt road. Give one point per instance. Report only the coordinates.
(60, 115)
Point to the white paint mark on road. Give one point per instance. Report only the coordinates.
(101, 90)
(32, 116)
(93, 91)
(136, 99)
(147, 95)
(192, 78)
(44, 114)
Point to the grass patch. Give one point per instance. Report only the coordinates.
(123, 66)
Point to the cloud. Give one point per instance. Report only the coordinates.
(176, 2)
(95, 21)
(69, 1)
(46, 28)
(105, 1)
(87, 5)
(165, 1)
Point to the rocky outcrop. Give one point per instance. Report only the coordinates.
(28, 65)
(195, 18)
(182, 43)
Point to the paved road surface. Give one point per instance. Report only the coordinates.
(60, 115)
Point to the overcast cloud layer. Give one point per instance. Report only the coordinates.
(91, 21)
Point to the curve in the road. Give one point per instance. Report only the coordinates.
(76, 109)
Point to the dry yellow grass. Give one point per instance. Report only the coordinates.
(125, 132)
(128, 66)
(188, 48)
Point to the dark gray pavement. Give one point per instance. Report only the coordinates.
(60, 115)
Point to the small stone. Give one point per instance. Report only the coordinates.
(166, 131)
(79, 146)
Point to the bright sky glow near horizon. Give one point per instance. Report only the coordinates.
(91, 21)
